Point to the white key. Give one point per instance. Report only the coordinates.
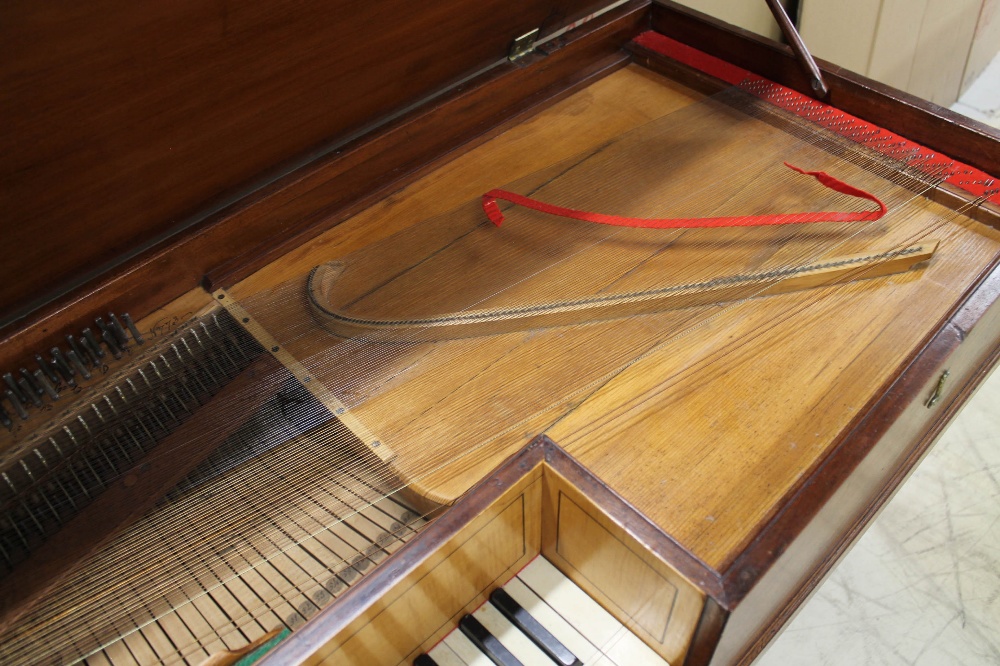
(465, 650)
(445, 656)
(628, 650)
(511, 637)
(563, 631)
(575, 605)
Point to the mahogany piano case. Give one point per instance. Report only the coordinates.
(280, 382)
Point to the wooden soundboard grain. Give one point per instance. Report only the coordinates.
(707, 435)
(609, 107)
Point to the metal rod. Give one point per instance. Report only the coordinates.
(809, 65)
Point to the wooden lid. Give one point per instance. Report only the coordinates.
(126, 122)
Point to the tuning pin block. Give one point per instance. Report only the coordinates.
(47, 369)
(26, 390)
(14, 389)
(78, 364)
(131, 327)
(63, 366)
(30, 381)
(17, 404)
(86, 355)
(92, 344)
(81, 352)
(111, 342)
(46, 385)
(115, 326)
(77, 348)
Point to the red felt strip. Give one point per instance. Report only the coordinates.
(881, 140)
(493, 211)
(692, 57)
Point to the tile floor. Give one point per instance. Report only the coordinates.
(922, 586)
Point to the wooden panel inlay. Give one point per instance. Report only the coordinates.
(426, 604)
(610, 566)
(592, 539)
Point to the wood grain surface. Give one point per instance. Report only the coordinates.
(722, 422)
(715, 422)
(146, 147)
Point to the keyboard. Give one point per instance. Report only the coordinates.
(540, 618)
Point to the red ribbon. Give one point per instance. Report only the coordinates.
(493, 211)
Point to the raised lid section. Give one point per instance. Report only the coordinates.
(126, 123)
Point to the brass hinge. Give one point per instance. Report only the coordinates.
(522, 46)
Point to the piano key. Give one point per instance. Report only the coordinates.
(516, 641)
(532, 628)
(628, 650)
(425, 660)
(618, 645)
(487, 642)
(572, 603)
(443, 655)
(603, 661)
(553, 622)
(465, 650)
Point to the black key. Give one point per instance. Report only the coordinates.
(533, 629)
(487, 642)
(424, 660)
